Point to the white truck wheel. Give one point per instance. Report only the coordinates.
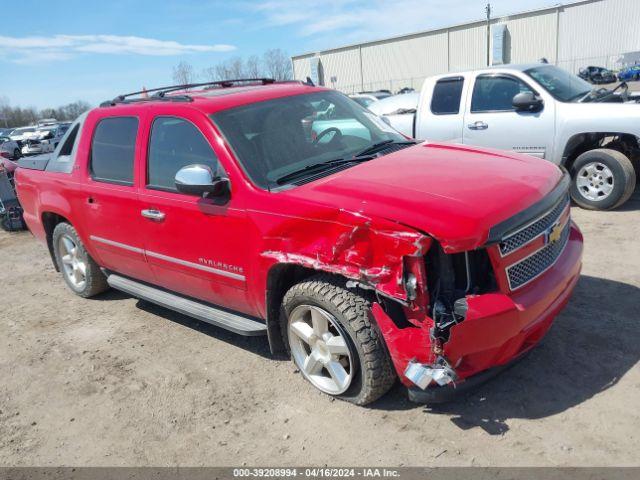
(602, 179)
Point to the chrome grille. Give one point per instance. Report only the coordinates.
(531, 267)
(523, 236)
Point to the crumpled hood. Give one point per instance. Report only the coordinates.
(452, 192)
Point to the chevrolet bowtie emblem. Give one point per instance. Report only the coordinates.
(554, 233)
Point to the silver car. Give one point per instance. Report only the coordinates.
(9, 149)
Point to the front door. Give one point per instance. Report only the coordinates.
(195, 246)
(491, 120)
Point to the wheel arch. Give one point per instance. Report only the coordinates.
(280, 278)
(626, 143)
(50, 220)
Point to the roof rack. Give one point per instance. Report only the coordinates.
(161, 92)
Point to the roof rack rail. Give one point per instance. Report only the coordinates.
(160, 93)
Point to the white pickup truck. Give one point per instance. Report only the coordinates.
(543, 111)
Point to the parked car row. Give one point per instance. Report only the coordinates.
(32, 140)
(601, 75)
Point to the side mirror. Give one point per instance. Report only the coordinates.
(527, 102)
(199, 180)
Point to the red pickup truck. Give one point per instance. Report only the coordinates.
(287, 210)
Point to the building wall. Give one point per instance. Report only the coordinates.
(598, 32)
(589, 32)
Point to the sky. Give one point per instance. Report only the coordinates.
(53, 53)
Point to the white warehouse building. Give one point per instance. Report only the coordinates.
(571, 35)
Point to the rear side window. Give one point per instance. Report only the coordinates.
(113, 150)
(67, 146)
(176, 143)
(495, 93)
(446, 96)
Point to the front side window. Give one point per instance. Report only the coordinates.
(176, 143)
(495, 93)
(446, 96)
(113, 150)
(274, 138)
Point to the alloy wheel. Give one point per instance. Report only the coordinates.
(595, 181)
(320, 349)
(73, 265)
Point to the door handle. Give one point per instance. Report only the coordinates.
(153, 214)
(478, 126)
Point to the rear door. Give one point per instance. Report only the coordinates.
(491, 121)
(109, 200)
(195, 246)
(441, 114)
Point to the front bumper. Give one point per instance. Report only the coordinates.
(32, 150)
(452, 391)
(498, 329)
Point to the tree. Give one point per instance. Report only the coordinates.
(252, 67)
(183, 73)
(277, 64)
(274, 64)
(12, 117)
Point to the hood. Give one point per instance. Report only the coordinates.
(451, 192)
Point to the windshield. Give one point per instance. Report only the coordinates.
(559, 83)
(364, 101)
(276, 137)
(20, 131)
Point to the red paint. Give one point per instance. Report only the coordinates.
(372, 223)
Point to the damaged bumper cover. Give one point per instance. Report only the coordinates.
(499, 329)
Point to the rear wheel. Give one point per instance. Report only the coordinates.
(333, 342)
(603, 179)
(81, 273)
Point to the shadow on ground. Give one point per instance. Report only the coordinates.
(592, 344)
(633, 203)
(257, 345)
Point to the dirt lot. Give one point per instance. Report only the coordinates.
(116, 381)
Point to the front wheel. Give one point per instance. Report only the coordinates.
(329, 333)
(81, 273)
(603, 179)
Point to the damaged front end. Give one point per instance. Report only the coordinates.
(487, 307)
(418, 347)
(450, 312)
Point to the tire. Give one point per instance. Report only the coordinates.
(94, 281)
(17, 154)
(607, 167)
(370, 369)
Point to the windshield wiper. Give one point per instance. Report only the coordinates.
(318, 167)
(377, 146)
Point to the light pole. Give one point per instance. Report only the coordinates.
(488, 10)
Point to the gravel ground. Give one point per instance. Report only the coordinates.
(116, 381)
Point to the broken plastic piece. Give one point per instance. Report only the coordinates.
(422, 375)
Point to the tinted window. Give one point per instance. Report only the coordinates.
(446, 96)
(496, 93)
(113, 150)
(176, 143)
(67, 147)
